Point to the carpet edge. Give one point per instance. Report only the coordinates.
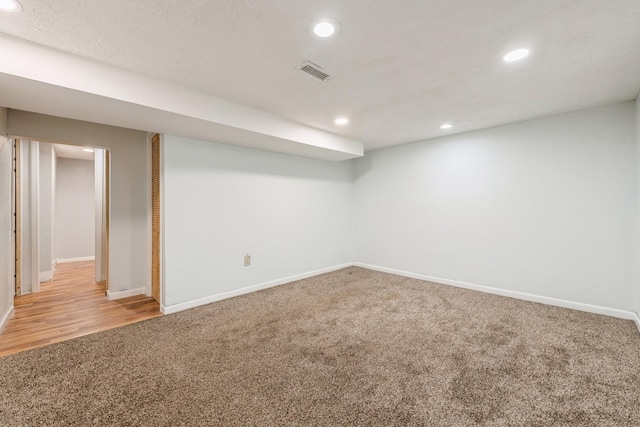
(589, 308)
(174, 308)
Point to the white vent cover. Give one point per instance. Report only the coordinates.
(314, 71)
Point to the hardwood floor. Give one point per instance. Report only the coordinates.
(69, 306)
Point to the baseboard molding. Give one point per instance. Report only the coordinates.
(637, 320)
(5, 317)
(174, 308)
(597, 309)
(45, 276)
(125, 294)
(65, 260)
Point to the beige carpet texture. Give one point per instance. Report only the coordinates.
(349, 348)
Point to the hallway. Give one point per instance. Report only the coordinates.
(69, 306)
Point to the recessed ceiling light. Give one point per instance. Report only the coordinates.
(324, 28)
(516, 55)
(446, 126)
(88, 150)
(341, 121)
(10, 6)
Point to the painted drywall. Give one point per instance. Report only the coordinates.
(637, 252)
(128, 240)
(75, 209)
(291, 214)
(54, 173)
(46, 194)
(4, 115)
(29, 216)
(101, 219)
(544, 207)
(6, 282)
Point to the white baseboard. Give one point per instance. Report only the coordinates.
(637, 320)
(86, 258)
(125, 294)
(45, 276)
(597, 309)
(174, 308)
(5, 317)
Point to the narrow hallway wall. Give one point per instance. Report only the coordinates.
(74, 209)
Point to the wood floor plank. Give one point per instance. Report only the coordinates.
(69, 306)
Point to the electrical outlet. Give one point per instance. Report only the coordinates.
(247, 260)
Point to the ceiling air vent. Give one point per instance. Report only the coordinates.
(314, 71)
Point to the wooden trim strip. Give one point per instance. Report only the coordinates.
(155, 217)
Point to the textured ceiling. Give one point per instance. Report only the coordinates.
(401, 67)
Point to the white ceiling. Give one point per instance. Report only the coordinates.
(400, 67)
(72, 152)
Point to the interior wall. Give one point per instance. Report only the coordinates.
(128, 240)
(543, 207)
(46, 194)
(6, 282)
(29, 216)
(75, 209)
(637, 253)
(4, 114)
(100, 219)
(293, 215)
(54, 173)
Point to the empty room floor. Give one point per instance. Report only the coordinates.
(351, 347)
(69, 306)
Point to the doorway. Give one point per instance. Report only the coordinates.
(61, 210)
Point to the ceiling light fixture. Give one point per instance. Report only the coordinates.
(516, 55)
(446, 126)
(88, 150)
(10, 6)
(341, 121)
(324, 28)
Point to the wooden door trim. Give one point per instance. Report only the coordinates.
(155, 217)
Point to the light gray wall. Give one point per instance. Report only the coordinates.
(637, 253)
(6, 282)
(29, 225)
(101, 220)
(46, 194)
(4, 115)
(293, 215)
(75, 209)
(128, 240)
(544, 207)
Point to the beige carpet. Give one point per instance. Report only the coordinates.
(353, 347)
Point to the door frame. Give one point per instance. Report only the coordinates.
(102, 262)
(154, 215)
(16, 233)
(33, 217)
(25, 209)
